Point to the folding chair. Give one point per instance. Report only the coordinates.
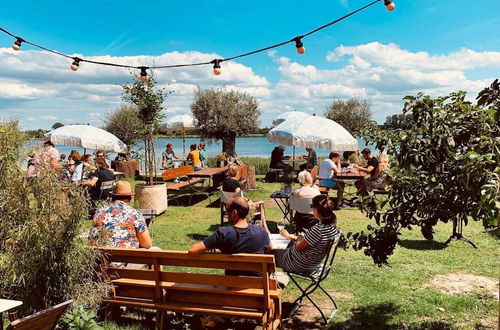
(149, 216)
(315, 278)
(104, 193)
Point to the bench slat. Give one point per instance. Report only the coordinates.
(198, 297)
(177, 172)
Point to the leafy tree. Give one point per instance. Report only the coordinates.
(353, 114)
(125, 124)
(35, 134)
(398, 121)
(57, 125)
(446, 169)
(225, 115)
(149, 100)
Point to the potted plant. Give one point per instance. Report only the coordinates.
(149, 99)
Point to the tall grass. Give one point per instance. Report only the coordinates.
(261, 164)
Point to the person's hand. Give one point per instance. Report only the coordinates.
(284, 233)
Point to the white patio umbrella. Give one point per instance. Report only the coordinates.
(86, 137)
(315, 132)
(289, 115)
(181, 122)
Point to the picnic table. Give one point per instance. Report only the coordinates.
(278, 242)
(215, 175)
(349, 176)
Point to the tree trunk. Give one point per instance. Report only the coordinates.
(229, 145)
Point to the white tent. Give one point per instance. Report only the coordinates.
(314, 132)
(87, 137)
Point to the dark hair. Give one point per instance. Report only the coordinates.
(193, 147)
(324, 207)
(49, 143)
(240, 205)
(169, 145)
(366, 151)
(101, 163)
(63, 156)
(333, 154)
(85, 157)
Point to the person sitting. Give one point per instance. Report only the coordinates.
(312, 160)
(203, 154)
(118, 224)
(50, 155)
(231, 183)
(328, 168)
(194, 157)
(306, 191)
(100, 155)
(379, 179)
(309, 250)
(168, 156)
(122, 157)
(241, 237)
(102, 174)
(370, 168)
(277, 159)
(80, 174)
(62, 159)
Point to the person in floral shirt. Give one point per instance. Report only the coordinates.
(119, 225)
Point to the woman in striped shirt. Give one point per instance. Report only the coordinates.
(309, 250)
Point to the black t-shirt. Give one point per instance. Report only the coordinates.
(230, 239)
(373, 162)
(102, 176)
(230, 185)
(276, 157)
(313, 159)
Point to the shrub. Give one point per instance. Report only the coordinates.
(43, 262)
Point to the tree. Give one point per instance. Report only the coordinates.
(398, 121)
(125, 124)
(446, 168)
(225, 115)
(353, 114)
(57, 125)
(149, 100)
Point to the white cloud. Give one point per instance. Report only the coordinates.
(49, 118)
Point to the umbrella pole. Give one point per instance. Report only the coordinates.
(293, 157)
(84, 151)
(183, 142)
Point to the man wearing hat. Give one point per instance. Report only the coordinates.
(371, 165)
(118, 224)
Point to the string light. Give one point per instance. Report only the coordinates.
(144, 73)
(217, 70)
(76, 63)
(299, 45)
(216, 62)
(389, 5)
(17, 43)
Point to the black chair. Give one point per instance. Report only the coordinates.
(315, 278)
(105, 193)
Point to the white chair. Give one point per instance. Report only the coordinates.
(299, 204)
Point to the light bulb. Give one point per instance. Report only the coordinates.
(217, 70)
(75, 64)
(17, 44)
(144, 74)
(300, 46)
(389, 5)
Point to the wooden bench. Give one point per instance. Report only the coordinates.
(243, 174)
(166, 288)
(180, 172)
(44, 320)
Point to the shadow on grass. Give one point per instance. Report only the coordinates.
(186, 199)
(495, 233)
(433, 325)
(370, 317)
(421, 244)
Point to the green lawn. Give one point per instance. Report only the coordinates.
(368, 296)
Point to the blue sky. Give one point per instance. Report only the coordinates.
(431, 46)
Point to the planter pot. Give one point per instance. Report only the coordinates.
(153, 197)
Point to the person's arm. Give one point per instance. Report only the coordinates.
(300, 244)
(144, 239)
(197, 248)
(91, 183)
(364, 169)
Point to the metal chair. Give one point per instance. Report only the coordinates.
(315, 278)
(104, 192)
(299, 204)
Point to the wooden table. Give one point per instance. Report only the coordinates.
(349, 176)
(6, 305)
(215, 175)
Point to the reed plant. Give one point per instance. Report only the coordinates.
(261, 164)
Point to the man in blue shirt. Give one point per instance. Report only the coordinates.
(241, 237)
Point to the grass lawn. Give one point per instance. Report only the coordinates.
(368, 296)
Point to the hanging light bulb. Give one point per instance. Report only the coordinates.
(300, 46)
(217, 70)
(144, 74)
(389, 5)
(17, 43)
(76, 63)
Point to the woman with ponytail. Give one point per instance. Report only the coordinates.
(309, 250)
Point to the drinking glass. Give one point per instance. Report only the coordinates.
(281, 224)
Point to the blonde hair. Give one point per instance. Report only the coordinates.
(233, 170)
(305, 178)
(383, 157)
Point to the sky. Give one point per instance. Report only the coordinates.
(435, 47)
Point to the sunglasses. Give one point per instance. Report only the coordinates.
(100, 156)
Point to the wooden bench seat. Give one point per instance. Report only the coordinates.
(181, 172)
(183, 184)
(165, 288)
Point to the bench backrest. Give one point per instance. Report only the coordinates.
(243, 172)
(168, 268)
(177, 172)
(314, 172)
(44, 320)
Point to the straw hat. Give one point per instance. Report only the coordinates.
(122, 188)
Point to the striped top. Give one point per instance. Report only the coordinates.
(307, 260)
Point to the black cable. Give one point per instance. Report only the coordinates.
(199, 63)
